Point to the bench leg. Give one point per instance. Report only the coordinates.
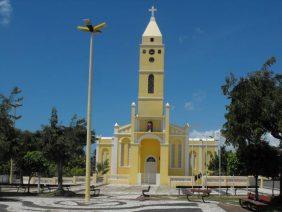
(188, 198)
(203, 199)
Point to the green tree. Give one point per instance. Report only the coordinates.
(234, 166)
(249, 114)
(103, 167)
(8, 132)
(214, 163)
(34, 162)
(27, 142)
(62, 143)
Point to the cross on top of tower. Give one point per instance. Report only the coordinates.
(153, 10)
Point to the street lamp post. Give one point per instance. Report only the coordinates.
(92, 29)
(219, 165)
(206, 162)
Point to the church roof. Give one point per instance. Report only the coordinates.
(152, 29)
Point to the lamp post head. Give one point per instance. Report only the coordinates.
(88, 27)
(87, 21)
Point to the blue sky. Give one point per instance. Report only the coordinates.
(42, 52)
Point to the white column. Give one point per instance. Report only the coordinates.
(133, 114)
(186, 154)
(158, 179)
(200, 158)
(114, 156)
(167, 110)
(97, 152)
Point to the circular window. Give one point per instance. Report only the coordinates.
(152, 51)
(144, 51)
(151, 59)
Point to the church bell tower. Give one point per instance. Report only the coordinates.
(151, 71)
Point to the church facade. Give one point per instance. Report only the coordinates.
(150, 149)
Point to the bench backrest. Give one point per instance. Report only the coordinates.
(262, 198)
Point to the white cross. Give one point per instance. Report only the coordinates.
(153, 10)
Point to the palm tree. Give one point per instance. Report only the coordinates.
(103, 167)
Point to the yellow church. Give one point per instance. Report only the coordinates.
(150, 149)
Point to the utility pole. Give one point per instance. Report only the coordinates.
(88, 27)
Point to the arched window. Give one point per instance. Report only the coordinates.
(151, 83)
(179, 155)
(193, 161)
(151, 159)
(172, 155)
(105, 155)
(124, 152)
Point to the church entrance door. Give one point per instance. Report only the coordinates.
(150, 171)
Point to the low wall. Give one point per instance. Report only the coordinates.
(118, 179)
(212, 181)
(75, 180)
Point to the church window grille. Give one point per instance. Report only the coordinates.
(144, 51)
(150, 126)
(159, 51)
(151, 159)
(152, 51)
(172, 151)
(151, 83)
(152, 39)
(179, 155)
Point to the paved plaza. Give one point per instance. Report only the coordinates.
(112, 198)
(103, 203)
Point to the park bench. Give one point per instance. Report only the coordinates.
(241, 187)
(203, 193)
(54, 186)
(179, 188)
(95, 190)
(145, 191)
(24, 186)
(251, 202)
(234, 187)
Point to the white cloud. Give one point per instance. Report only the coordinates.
(182, 38)
(5, 12)
(189, 106)
(199, 31)
(196, 100)
(205, 134)
(199, 96)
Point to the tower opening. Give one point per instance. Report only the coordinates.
(151, 83)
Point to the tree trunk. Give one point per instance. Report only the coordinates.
(21, 177)
(280, 195)
(256, 191)
(29, 178)
(273, 186)
(60, 175)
